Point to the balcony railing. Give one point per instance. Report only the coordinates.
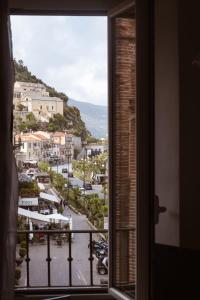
(48, 243)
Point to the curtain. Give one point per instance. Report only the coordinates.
(8, 175)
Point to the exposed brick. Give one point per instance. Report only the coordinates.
(125, 150)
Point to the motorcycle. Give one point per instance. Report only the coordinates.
(101, 252)
(102, 265)
(99, 248)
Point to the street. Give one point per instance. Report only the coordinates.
(59, 263)
(96, 189)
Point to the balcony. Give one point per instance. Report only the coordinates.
(56, 264)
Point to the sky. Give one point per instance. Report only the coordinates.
(68, 53)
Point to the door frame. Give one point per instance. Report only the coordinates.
(145, 123)
(144, 146)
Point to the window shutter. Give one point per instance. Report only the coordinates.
(130, 150)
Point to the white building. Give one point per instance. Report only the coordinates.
(34, 146)
(33, 97)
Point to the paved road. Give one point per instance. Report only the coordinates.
(59, 263)
(96, 189)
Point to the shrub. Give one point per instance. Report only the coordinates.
(66, 227)
(17, 275)
(27, 192)
(23, 244)
(60, 210)
(19, 261)
(27, 185)
(22, 252)
(21, 237)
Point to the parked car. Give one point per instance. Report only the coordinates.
(75, 186)
(87, 186)
(64, 170)
(45, 211)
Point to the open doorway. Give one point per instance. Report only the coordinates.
(60, 165)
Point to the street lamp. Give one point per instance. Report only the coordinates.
(68, 161)
(83, 175)
(56, 160)
(84, 143)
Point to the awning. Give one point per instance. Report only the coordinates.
(28, 202)
(41, 186)
(49, 197)
(30, 162)
(58, 217)
(32, 215)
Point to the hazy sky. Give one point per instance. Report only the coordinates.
(68, 53)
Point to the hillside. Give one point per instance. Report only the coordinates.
(72, 118)
(94, 116)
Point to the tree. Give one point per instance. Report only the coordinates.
(58, 181)
(75, 123)
(43, 166)
(22, 127)
(31, 122)
(20, 107)
(57, 123)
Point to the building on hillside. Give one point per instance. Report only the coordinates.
(62, 145)
(34, 146)
(75, 140)
(33, 97)
(95, 149)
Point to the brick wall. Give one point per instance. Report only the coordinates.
(125, 150)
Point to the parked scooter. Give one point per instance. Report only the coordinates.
(101, 252)
(102, 265)
(99, 248)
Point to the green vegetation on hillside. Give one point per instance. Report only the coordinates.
(71, 120)
(23, 74)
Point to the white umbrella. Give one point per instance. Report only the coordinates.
(57, 217)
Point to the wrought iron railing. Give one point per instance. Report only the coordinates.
(69, 234)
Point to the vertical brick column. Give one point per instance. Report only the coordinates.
(125, 154)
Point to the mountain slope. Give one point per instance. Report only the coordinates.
(94, 116)
(71, 114)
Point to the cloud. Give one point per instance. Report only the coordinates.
(69, 53)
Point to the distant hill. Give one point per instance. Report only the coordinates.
(94, 116)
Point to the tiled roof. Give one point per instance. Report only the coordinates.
(40, 136)
(58, 134)
(37, 96)
(30, 137)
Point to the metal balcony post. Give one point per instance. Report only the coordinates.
(70, 259)
(27, 259)
(48, 259)
(91, 258)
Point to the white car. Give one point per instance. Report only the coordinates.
(45, 211)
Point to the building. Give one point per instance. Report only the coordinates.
(153, 143)
(40, 145)
(33, 97)
(34, 146)
(62, 145)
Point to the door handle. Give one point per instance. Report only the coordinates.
(158, 209)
